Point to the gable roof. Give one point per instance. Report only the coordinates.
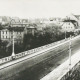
(71, 21)
(77, 16)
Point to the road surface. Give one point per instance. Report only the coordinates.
(37, 67)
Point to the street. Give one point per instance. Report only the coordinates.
(37, 67)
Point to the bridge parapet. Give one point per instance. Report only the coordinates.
(72, 74)
(6, 59)
(25, 53)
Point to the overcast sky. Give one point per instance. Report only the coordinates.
(39, 8)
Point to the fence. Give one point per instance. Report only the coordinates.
(73, 74)
(25, 53)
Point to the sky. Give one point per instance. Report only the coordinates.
(39, 8)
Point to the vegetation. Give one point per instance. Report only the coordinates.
(48, 35)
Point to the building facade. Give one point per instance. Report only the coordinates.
(68, 27)
(7, 35)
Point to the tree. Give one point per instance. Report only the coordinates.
(48, 35)
(53, 31)
(1, 27)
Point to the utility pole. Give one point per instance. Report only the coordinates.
(13, 54)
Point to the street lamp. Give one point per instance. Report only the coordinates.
(65, 34)
(13, 54)
(70, 53)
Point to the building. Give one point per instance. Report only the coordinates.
(18, 23)
(71, 23)
(68, 27)
(15, 23)
(56, 20)
(7, 34)
(76, 18)
(30, 29)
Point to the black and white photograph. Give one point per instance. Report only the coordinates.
(39, 39)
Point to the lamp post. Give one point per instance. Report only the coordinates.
(65, 34)
(70, 53)
(13, 54)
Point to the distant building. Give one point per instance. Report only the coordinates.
(68, 27)
(31, 29)
(56, 20)
(71, 23)
(18, 23)
(15, 23)
(75, 18)
(7, 34)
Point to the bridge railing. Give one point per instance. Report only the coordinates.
(25, 53)
(6, 59)
(72, 74)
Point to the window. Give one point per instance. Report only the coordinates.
(6, 37)
(20, 32)
(69, 23)
(6, 32)
(3, 32)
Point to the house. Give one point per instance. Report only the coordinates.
(18, 23)
(30, 29)
(15, 23)
(7, 34)
(70, 23)
(68, 27)
(75, 18)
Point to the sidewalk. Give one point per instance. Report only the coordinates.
(63, 68)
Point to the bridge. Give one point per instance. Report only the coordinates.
(14, 64)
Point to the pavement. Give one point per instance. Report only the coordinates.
(61, 70)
